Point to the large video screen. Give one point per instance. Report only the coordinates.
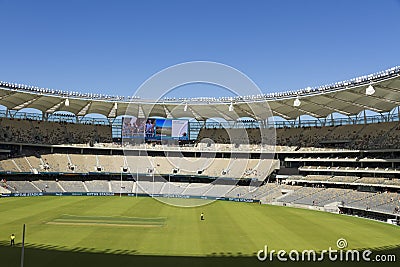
(155, 129)
(133, 127)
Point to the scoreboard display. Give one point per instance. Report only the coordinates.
(155, 129)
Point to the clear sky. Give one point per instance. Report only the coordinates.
(112, 47)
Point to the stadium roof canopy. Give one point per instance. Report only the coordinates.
(378, 92)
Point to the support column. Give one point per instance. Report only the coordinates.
(398, 113)
(365, 117)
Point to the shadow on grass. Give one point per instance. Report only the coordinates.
(49, 256)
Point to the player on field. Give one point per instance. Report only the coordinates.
(12, 239)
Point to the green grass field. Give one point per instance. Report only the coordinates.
(101, 230)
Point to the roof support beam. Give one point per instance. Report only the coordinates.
(326, 106)
(140, 114)
(7, 95)
(55, 107)
(84, 110)
(254, 116)
(351, 103)
(21, 106)
(223, 113)
(195, 114)
(379, 98)
(302, 110)
(113, 111)
(388, 88)
(167, 112)
(281, 115)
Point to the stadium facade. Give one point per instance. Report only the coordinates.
(348, 163)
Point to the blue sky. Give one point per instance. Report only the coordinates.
(112, 47)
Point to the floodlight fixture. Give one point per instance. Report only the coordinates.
(296, 102)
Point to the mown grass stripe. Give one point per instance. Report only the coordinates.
(101, 221)
(103, 224)
(111, 218)
(77, 220)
